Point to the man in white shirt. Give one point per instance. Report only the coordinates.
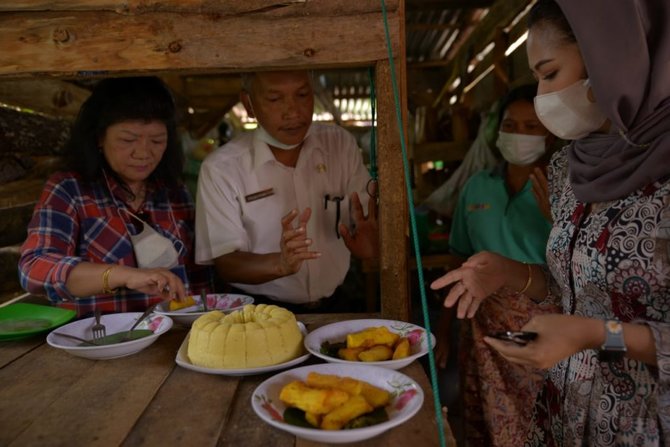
(273, 206)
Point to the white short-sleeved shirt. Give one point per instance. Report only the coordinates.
(229, 217)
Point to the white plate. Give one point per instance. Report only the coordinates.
(114, 323)
(225, 302)
(183, 361)
(337, 332)
(407, 400)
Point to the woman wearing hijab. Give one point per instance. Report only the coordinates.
(609, 249)
(115, 232)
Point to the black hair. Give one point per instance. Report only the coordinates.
(526, 92)
(548, 11)
(115, 100)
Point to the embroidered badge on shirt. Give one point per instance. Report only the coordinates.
(259, 195)
(478, 206)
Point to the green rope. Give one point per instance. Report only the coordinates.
(415, 238)
(373, 132)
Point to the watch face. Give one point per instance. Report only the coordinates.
(614, 347)
(613, 327)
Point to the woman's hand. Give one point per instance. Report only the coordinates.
(559, 336)
(481, 275)
(294, 244)
(153, 282)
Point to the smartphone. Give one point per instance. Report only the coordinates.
(518, 337)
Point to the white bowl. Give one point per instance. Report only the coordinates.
(337, 332)
(225, 302)
(407, 400)
(114, 323)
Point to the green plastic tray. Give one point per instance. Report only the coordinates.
(22, 320)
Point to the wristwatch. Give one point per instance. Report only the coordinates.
(614, 347)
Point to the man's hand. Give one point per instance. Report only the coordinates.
(364, 243)
(294, 244)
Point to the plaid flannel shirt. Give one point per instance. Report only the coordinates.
(77, 222)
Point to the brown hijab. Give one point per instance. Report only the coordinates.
(626, 49)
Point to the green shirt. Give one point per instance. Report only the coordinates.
(488, 218)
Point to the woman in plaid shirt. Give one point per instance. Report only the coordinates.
(116, 231)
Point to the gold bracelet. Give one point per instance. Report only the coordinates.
(105, 281)
(529, 282)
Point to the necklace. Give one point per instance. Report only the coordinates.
(137, 199)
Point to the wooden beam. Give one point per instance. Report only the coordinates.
(499, 16)
(105, 43)
(433, 63)
(393, 279)
(218, 7)
(440, 5)
(443, 150)
(47, 96)
(393, 272)
(429, 26)
(212, 85)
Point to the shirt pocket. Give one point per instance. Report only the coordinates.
(336, 210)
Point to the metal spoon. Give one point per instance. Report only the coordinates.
(203, 298)
(74, 337)
(141, 319)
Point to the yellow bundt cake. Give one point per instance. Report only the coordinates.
(255, 336)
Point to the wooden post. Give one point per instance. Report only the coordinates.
(393, 255)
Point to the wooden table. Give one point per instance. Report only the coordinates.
(49, 397)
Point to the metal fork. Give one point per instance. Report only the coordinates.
(99, 330)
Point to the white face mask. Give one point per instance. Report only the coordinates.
(152, 249)
(568, 113)
(520, 149)
(272, 141)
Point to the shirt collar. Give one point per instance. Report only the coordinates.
(261, 152)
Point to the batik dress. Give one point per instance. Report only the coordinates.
(497, 395)
(611, 261)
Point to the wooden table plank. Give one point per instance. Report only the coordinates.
(12, 350)
(104, 400)
(245, 428)
(190, 409)
(31, 384)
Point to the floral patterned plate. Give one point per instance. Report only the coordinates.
(337, 332)
(158, 324)
(406, 401)
(225, 302)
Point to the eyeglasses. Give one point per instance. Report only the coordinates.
(337, 199)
